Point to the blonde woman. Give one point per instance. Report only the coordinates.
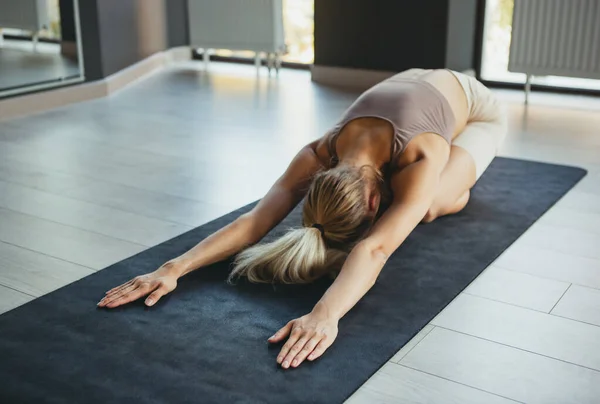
(407, 151)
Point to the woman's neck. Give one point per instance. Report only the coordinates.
(367, 147)
(359, 158)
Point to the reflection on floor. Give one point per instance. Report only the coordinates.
(20, 65)
(183, 147)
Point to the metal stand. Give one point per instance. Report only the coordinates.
(35, 40)
(270, 62)
(277, 63)
(274, 62)
(206, 58)
(257, 62)
(527, 88)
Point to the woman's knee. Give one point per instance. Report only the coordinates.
(436, 209)
(430, 216)
(462, 201)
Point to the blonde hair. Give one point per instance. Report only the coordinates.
(336, 201)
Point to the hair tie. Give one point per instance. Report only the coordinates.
(320, 227)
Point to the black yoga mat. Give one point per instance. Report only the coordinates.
(206, 342)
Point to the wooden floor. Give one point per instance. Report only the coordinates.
(88, 185)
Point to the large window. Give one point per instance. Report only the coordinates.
(299, 21)
(496, 45)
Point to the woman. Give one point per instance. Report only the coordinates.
(407, 151)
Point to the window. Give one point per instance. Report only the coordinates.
(299, 21)
(496, 45)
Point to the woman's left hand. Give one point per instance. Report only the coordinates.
(310, 336)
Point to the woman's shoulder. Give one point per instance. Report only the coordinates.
(431, 144)
(322, 149)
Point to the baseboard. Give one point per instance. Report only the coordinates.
(138, 71)
(28, 104)
(178, 54)
(358, 79)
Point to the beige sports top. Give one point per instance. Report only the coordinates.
(411, 106)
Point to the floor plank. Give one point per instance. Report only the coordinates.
(223, 193)
(224, 189)
(518, 288)
(551, 264)
(81, 247)
(510, 372)
(574, 219)
(34, 273)
(88, 216)
(37, 177)
(148, 203)
(580, 303)
(395, 384)
(571, 155)
(581, 201)
(62, 142)
(411, 344)
(9, 299)
(589, 183)
(540, 333)
(563, 239)
(88, 166)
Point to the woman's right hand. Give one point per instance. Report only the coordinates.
(157, 284)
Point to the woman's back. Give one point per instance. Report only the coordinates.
(396, 111)
(447, 84)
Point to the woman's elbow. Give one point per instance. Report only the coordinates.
(380, 255)
(377, 253)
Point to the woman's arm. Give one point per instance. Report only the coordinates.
(247, 229)
(412, 198)
(414, 189)
(250, 227)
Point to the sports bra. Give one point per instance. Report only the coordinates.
(411, 106)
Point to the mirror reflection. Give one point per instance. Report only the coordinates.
(38, 44)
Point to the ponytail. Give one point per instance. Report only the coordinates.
(300, 256)
(336, 211)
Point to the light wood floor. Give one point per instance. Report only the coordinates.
(88, 185)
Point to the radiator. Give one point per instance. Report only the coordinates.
(30, 15)
(254, 25)
(556, 37)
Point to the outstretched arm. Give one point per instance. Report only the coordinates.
(251, 227)
(247, 229)
(312, 334)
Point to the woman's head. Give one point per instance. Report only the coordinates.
(343, 202)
